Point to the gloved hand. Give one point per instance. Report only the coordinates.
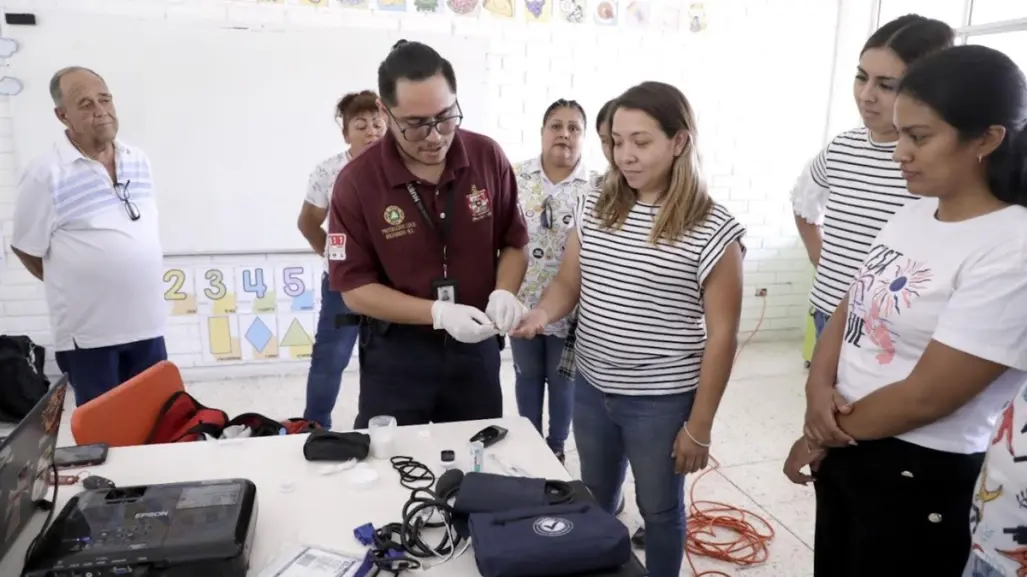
(463, 323)
(505, 310)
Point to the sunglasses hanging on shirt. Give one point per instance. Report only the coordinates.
(546, 213)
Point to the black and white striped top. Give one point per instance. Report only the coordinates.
(641, 328)
(852, 188)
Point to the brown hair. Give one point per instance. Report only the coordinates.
(687, 202)
(354, 104)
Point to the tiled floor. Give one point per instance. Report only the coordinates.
(760, 417)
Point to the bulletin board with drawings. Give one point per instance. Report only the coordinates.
(248, 313)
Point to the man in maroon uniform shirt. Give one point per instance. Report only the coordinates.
(426, 243)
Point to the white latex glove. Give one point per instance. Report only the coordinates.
(505, 310)
(464, 323)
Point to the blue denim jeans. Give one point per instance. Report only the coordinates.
(93, 372)
(613, 430)
(332, 350)
(820, 321)
(536, 362)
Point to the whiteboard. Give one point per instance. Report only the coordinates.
(234, 120)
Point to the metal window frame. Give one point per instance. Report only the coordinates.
(965, 30)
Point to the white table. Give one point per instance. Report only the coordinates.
(320, 510)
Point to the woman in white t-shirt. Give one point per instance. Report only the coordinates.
(548, 187)
(654, 266)
(931, 341)
(358, 117)
(853, 186)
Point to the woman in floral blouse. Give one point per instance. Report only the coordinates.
(548, 186)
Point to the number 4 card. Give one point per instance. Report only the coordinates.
(256, 289)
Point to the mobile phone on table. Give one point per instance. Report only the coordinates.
(489, 435)
(80, 456)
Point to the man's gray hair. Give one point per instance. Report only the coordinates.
(55, 81)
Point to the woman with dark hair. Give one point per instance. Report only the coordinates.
(931, 340)
(361, 126)
(853, 186)
(654, 266)
(548, 187)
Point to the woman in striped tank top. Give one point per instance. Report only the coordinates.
(853, 187)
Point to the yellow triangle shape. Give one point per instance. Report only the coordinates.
(296, 335)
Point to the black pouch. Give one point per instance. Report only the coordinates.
(485, 492)
(576, 538)
(324, 445)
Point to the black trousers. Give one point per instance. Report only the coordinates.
(422, 376)
(890, 508)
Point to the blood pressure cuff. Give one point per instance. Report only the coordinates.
(324, 445)
(485, 492)
(550, 540)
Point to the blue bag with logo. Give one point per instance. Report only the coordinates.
(548, 540)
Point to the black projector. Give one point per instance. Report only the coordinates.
(197, 529)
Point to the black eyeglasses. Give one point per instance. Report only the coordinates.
(121, 190)
(546, 214)
(445, 126)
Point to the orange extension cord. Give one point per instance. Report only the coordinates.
(751, 534)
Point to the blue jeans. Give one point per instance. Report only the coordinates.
(333, 347)
(536, 362)
(93, 372)
(613, 430)
(820, 321)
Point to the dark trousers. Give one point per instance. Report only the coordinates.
(333, 347)
(419, 376)
(890, 508)
(93, 372)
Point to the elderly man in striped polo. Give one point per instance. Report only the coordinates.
(85, 223)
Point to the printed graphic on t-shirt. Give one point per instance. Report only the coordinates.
(998, 516)
(888, 283)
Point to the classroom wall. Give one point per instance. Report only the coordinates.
(759, 76)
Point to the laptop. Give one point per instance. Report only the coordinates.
(26, 460)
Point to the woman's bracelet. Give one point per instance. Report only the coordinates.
(694, 440)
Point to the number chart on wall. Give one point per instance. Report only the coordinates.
(248, 313)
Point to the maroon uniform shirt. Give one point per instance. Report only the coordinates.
(378, 235)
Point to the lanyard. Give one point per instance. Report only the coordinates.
(441, 231)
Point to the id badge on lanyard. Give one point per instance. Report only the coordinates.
(443, 288)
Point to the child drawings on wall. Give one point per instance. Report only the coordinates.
(428, 6)
(697, 17)
(571, 11)
(464, 7)
(605, 12)
(392, 5)
(500, 8)
(637, 13)
(537, 10)
(360, 4)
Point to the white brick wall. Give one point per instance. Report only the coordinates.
(759, 78)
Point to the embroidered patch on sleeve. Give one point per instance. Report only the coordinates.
(337, 246)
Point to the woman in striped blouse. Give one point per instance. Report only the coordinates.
(654, 266)
(851, 189)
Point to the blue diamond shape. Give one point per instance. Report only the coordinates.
(258, 335)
